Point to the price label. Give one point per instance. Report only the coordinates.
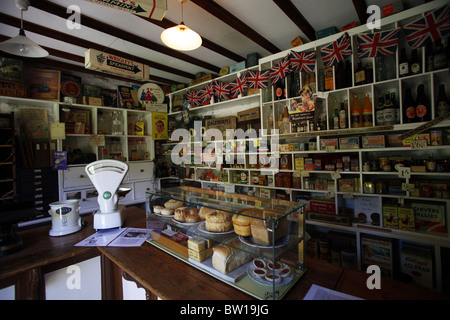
(330, 148)
(404, 172)
(229, 188)
(335, 175)
(418, 144)
(408, 186)
(304, 173)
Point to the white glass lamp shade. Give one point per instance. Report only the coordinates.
(181, 38)
(22, 46)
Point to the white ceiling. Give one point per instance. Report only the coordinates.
(263, 16)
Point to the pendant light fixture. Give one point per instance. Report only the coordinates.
(21, 45)
(181, 37)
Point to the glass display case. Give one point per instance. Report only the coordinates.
(253, 244)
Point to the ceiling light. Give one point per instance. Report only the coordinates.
(181, 37)
(21, 45)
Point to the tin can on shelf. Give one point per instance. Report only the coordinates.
(384, 164)
(436, 137)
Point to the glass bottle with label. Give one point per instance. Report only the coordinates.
(396, 108)
(367, 113)
(360, 75)
(356, 113)
(389, 110)
(416, 64)
(423, 111)
(409, 109)
(379, 112)
(336, 119)
(442, 105)
(403, 64)
(369, 72)
(280, 90)
(342, 117)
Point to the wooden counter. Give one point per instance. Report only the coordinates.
(164, 276)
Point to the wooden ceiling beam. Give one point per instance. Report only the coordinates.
(295, 15)
(32, 27)
(208, 44)
(220, 13)
(120, 33)
(72, 57)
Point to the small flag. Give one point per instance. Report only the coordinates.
(337, 51)
(433, 26)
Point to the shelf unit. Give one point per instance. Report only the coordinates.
(73, 182)
(301, 141)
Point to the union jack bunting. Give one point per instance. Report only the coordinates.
(258, 79)
(221, 90)
(204, 95)
(433, 26)
(302, 61)
(280, 71)
(237, 86)
(193, 98)
(337, 51)
(377, 44)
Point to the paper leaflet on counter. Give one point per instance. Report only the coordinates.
(125, 237)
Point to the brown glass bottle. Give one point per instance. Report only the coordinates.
(423, 111)
(409, 108)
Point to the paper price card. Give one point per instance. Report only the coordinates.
(408, 187)
(330, 148)
(404, 172)
(57, 130)
(229, 188)
(419, 144)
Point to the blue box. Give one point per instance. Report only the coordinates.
(238, 66)
(325, 32)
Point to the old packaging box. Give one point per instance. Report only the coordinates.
(417, 262)
(429, 217)
(390, 216)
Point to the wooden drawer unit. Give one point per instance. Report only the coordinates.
(140, 171)
(76, 177)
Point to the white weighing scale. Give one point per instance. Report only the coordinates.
(107, 175)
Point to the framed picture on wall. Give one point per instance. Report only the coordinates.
(44, 84)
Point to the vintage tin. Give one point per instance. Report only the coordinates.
(436, 137)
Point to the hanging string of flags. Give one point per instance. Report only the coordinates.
(432, 27)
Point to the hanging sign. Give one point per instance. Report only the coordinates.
(155, 9)
(109, 63)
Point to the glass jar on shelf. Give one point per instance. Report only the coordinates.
(117, 123)
(141, 149)
(115, 149)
